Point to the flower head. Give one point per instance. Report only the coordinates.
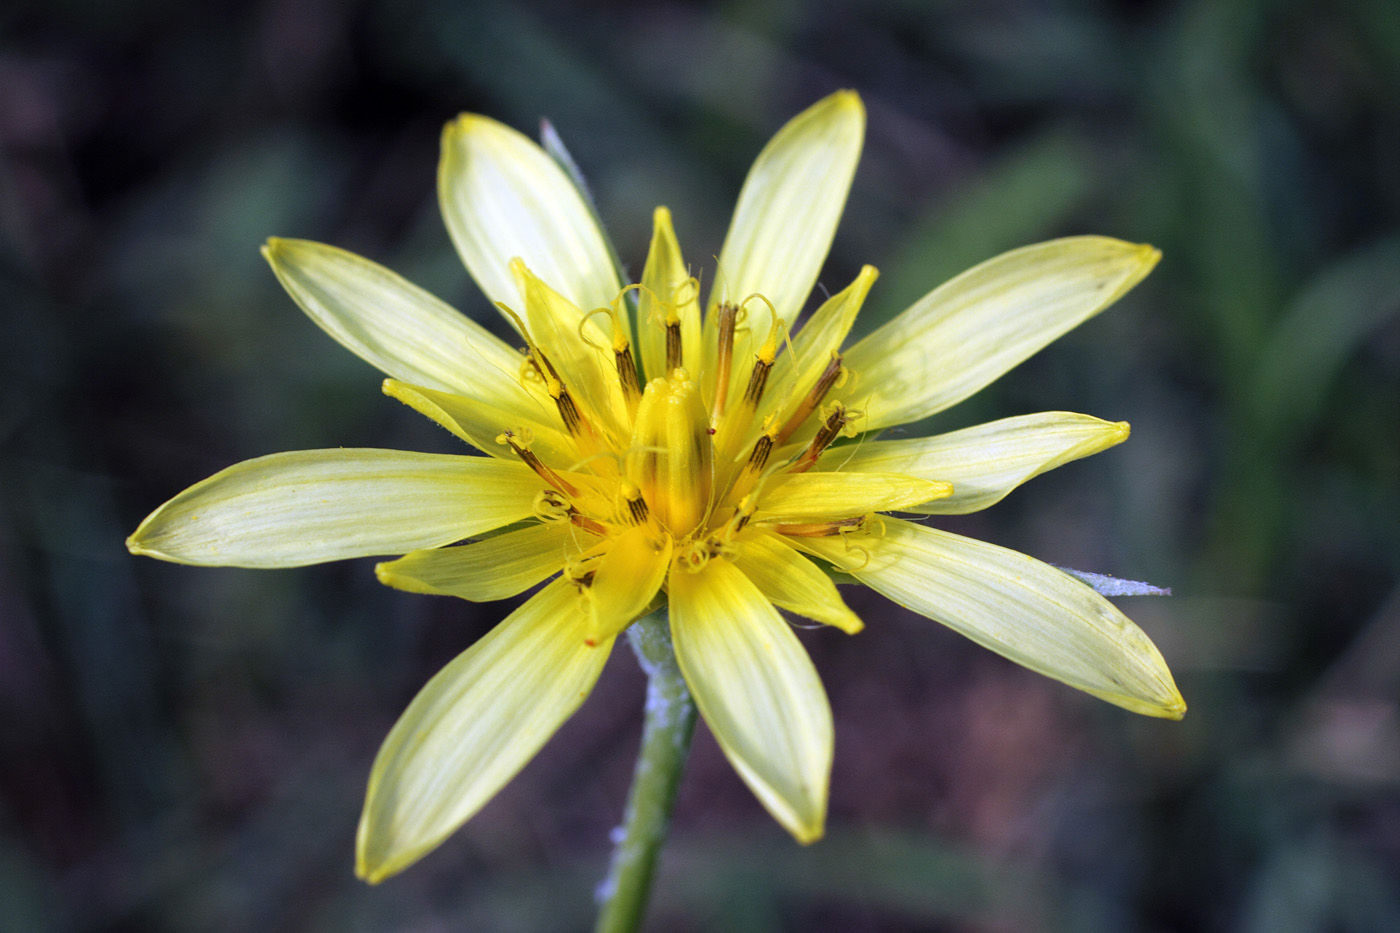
(650, 455)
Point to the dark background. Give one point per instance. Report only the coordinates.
(186, 749)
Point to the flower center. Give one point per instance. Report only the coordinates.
(690, 454)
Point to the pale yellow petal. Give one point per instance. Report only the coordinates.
(473, 727)
(969, 331)
(668, 292)
(503, 197)
(310, 506)
(1025, 610)
(984, 462)
(495, 568)
(627, 578)
(757, 690)
(809, 497)
(787, 214)
(394, 325)
(792, 581)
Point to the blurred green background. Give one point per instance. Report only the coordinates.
(186, 749)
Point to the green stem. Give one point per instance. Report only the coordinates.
(670, 721)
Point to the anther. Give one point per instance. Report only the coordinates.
(762, 447)
(636, 505)
(821, 529)
(726, 317)
(673, 344)
(836, 421)
(535, 463)
(823, 385)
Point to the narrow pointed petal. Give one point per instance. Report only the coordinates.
(1025, 610)
(311, 506)
(473, 727)
(502, 198)
(757, 690)
(972, 329)
(788, 210)
(628, 576)
(480, 424)
(495, 568)
(984, 462)
(792, 581)
(668, 290)
(394, 325)
(807, 497)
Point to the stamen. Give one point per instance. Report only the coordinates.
(742, 513)
(836, 422)
(622, 349)
(824, 382)
(636, 505)
(726, 316)
(533, 462)
(762, 447)
(763, 361)
(592, 526)
(568, 411)
(627, 375)
(673, 344)
(821, 529)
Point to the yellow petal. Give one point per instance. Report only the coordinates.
(473, 727)
(787, 214)
(757, 690)
(969, 331)
(984, 462)
(396, 326)
(503, 197)
(1022, 609)
(792, 581)
(310, 506)
(668, 292)
(808, 497)
(500, 566)
(628, 577)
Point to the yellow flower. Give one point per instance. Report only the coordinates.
(653, 458)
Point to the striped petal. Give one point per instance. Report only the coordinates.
(1025, 610)
(495, 568)
(396, 326)
(787, 213)
(757, 690)
(805, 497)
(473, 727)
(311, 506)
(984, 462)
(792, 581)
(502, 198)
(969, 331)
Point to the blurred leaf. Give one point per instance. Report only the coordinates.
(1023, 197)
(1337, 311)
